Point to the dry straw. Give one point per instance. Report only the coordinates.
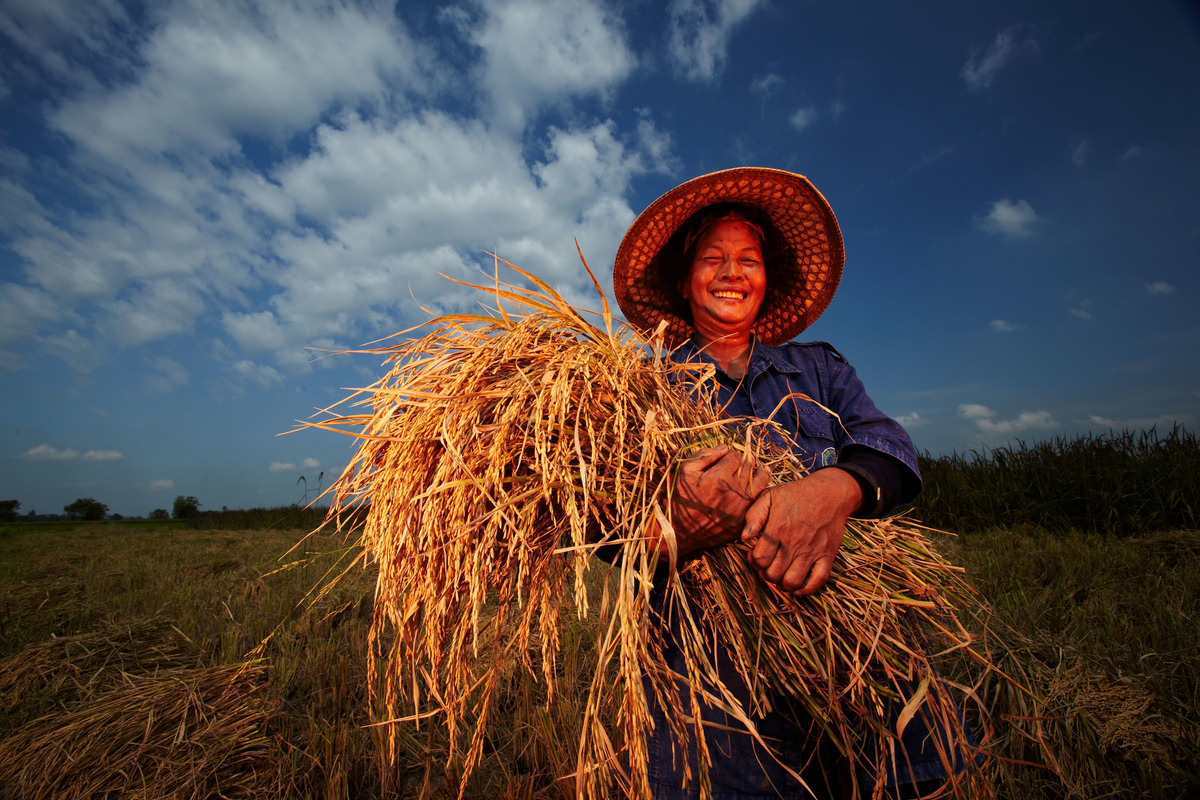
(180, 732)
(494, 457)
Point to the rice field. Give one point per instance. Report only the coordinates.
(153, 661)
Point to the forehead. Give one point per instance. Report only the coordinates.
(734, 230)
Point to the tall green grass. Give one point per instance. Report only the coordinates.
(1121, 483)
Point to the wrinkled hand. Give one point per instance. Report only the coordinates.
(712, 492)
(799, 528)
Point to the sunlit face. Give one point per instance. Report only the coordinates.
(727, 280)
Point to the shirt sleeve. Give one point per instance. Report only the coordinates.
(880, 477)
(875, 449)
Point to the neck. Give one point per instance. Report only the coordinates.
(732, 352)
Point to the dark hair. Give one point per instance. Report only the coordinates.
(674, 260)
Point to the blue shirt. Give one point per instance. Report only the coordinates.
(797, 385)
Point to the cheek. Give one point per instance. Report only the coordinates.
(685, 286)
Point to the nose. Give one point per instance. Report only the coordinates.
(730, 270)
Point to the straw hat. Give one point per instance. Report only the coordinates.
(804, 252)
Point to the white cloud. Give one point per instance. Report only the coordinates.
(261, 375)
(698, 34)
(974, 411)
(45, 452)
(912, 420)
(162, 483)
(1079, 150)
(287, 466)
(152, 311)
(1132, 152)
(1159, 287)
(1009, 219)
(1004, 326)
(103, 455)
(803, 118)
(1161, 422)
(766, 84)
(22, 311)
(984, 419)
(79, 352)
(218, 69)
(171, 375)
(57, 33)
(543, 51)
(930, 158)
(356, 193)
(981, 68)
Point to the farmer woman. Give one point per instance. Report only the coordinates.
(735, 264)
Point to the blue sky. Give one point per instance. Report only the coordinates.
(194, 195)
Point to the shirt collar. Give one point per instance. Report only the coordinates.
(763, 358)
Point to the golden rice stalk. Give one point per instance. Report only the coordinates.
(494, 457)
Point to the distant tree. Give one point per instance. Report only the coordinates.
(186, 507)
(8, 510)
(86, 508)
(159, 513)
(116, 517)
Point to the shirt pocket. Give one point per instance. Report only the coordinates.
(816, 435)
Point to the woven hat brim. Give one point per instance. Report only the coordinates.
(799, 289)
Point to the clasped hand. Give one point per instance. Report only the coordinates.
(793, 530)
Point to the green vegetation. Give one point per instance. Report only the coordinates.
(1120, 483)
(186, 508)
(86, 508)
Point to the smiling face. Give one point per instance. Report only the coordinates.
(726, 281)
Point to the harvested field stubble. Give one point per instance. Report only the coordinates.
(497, 454)
(186, 664)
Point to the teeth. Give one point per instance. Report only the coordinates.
(731, 295)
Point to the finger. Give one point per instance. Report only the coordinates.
(764, 552)
(820, 573)
(756, 517)
(703, 459)
(796, 576)
(762, 479)
(778, 568)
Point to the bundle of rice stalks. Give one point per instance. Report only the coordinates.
(67, 667)
(501, 450)
(179, 733)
